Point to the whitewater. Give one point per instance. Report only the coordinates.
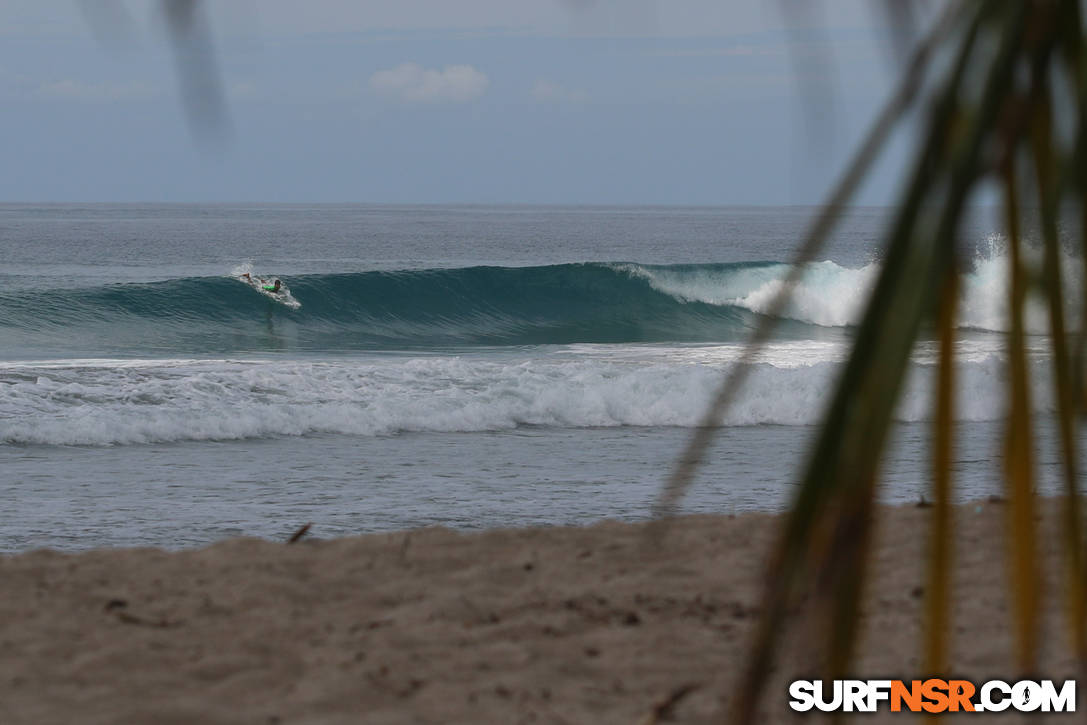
(440, 370)
(102, 402)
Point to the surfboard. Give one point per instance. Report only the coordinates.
(283, 297)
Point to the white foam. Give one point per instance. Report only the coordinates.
(834, 296)
(829, 295)
(221, 400)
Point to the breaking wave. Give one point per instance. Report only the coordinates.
(493, 306)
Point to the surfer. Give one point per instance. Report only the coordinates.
(265, 285)
(272, 287)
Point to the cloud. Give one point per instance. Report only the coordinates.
(412, 83)
(80, 91)
(14, 83)
(727, 51)
(243, 90)
(550, 92)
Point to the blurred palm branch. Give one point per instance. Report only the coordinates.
(200, 84)
(1000, 89)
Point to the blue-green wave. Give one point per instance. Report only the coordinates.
(567, 303)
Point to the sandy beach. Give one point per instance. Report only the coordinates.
(552, 625)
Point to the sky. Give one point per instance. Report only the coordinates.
(689, 102)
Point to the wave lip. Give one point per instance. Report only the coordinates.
(827, 295)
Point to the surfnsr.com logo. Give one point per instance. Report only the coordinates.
(932, 695)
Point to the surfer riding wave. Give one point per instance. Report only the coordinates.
(264, 284)
(273, 288)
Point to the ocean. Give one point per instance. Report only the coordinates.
(462, 366)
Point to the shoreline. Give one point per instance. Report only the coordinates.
(563, 625)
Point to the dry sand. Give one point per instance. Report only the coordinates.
(560, 625)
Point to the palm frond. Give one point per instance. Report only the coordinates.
(992, 109)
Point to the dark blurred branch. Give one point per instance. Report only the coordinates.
(197, 69)
(891, 115)
(813, 68)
